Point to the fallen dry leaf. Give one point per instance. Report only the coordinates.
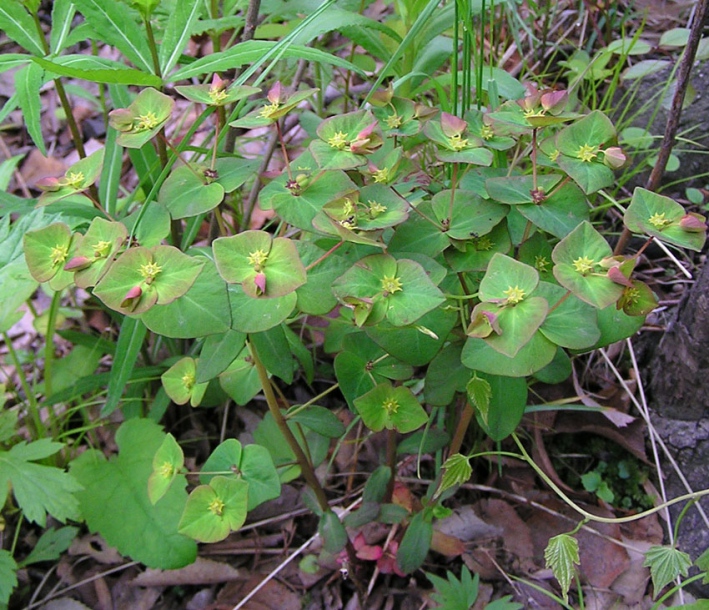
(201, 572)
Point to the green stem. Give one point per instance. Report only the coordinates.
(590, 516)
(49, 344)
(305, 466)
(32, 405)
(391, 462)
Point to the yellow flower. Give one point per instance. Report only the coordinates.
(150, 271)
(587, 153)
(59, 254)
(391, 284)
(257, 259)
(457, 143)
(659, 221)
(338, 141)
(584, 265)
(514, 295)
(146, 122)
(390, 405)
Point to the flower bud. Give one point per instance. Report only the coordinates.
(693, 223)
(614, 157)
(78, 263)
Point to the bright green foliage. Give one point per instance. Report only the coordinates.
(454, 594)
(180, 383)
(479, 393)
(51, 544)
(47, 250)
(8, 575)
(38, 489)
(252, 464)
(416, 542)
(142, 120)
(143, 277)
(393, 408)
(167, 463)
(562, 557)
(116, 504)
(188, 191)
(213, 511)
(264, 266)
(456, 471)
(665, 219)
(77, 178)
(95, 251)
(666, 564)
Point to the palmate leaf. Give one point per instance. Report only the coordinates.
(8, 575)
(38, 489)
(454, 594)
(666, 564)
(561, 556)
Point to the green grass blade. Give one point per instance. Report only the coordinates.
(412, 34)
(111, 173)
(130, 341)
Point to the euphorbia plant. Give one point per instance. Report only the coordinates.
(457, 280)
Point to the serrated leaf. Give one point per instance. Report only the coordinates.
(479, 393)
(456, 471)
(454, 594)
(8, 575)
(666, 564)
(562, 557)
(38, 489)
(137, 528)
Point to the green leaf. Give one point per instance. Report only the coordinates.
(38, 489)
(47, 249)
(644, 68)
(113, 76)
(469, 216)
(213, 511)
(666, 564)
(115, 23)
(532, 357)
(51, 545)
(629, 46)
(578, 267)
(274, 351)
(561, 556)
(28, 81)
(571, 322)
(332, 532)
(250, 315)
(218, 352)
(137, 528)
(445, 376)
(251, 463)
(479, 394)
(96, 251)
(416, 543)
(265, 266)
(19, 26)
(142, 119)
(177, 32)
(63, 12)
(318, 419)
(8, 575)
(508, 399)
(180, 385)
(456, 471)
(454, 594)
(202, 311)
(240, 380)
(391, 407)
(167, 463)
(187, 192)
(665, 219)
(253, 51)
(142, 277)
(130, 342)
